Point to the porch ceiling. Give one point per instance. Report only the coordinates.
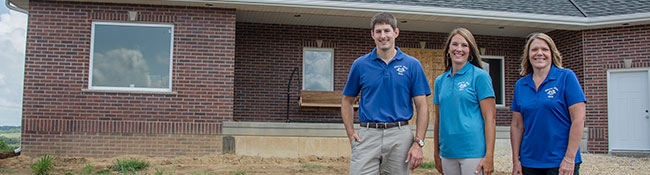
(412, 18)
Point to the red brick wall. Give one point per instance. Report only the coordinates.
(267, 54)
(511, 49)
(570, 45)
(62, 117)
(605, 49)
(210, 86)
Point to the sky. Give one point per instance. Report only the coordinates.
(13, 30)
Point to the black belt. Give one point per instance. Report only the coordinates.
(385, 125)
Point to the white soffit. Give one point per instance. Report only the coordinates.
(416, 18)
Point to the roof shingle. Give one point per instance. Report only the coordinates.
(591, 8)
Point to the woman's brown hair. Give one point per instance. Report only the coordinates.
(474, 56)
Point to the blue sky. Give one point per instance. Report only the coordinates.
(13, 32)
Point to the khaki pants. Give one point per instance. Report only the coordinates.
(381, 150)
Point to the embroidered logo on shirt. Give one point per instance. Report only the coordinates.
(462, 85)
(401, 69)
(551, 92)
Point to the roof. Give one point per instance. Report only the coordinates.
(554, 7)
(500, 18)
(575, 8)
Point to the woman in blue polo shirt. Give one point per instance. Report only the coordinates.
(548, 112)
(464, 98)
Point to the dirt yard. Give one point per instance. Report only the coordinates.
(219, 164)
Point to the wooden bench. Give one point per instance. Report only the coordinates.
(322, 99)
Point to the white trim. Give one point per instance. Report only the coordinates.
(405, 12)
(503, 73)
(422, 14)
(609, 91)
(429, 12)
(626, 70)
(331, 50)
(15, 8)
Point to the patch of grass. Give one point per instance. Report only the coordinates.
(129, 165)
(311, 166)
(103, 172)
(161, 171)
(240, 172)
(88, 170)
(428, 165)
(43, 166)
(4, 171)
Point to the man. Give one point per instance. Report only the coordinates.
(390, 81)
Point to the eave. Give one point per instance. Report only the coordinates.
(413, 18)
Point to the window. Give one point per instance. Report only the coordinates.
(494, 66)
(318, 69)
(131, 57)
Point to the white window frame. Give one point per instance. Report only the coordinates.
(502, 82)
(304, 70)
(131, 89)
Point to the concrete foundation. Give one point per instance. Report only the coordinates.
(314, 139)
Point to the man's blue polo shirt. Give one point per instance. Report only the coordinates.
(386, 89)
(461, 121)
(546, 117)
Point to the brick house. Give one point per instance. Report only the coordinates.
(106, 78)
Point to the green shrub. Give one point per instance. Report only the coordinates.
(43, 166)
(4, 146)
(129, 166)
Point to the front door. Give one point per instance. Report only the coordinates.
(433, 64)
(628, 105)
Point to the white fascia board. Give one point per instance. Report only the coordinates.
(618, 19)
(569, 21)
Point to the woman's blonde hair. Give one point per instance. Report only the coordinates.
(474, 56)
(526, 67)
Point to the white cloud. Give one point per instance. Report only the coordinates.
(119, 66)
(12, 46)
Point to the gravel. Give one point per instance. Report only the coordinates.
(592, 164)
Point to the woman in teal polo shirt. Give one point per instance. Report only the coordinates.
(464, 131)
(548, 112)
